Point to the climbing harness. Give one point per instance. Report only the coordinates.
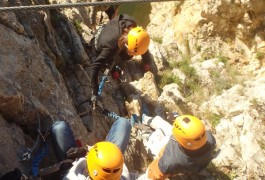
(117, 74)
(71, 5)
(105, 77)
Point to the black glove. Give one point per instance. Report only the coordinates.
(76, 152)
(171, 116)
(12, 175)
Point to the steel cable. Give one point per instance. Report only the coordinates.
(70, 5)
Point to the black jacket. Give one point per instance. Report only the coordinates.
(107, 46)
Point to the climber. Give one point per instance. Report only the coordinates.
(119, 38)
(60, 136)
(188, 149)
(104, 159)
(65, 148)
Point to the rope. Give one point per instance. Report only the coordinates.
(69, 5)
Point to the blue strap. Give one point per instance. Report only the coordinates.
(101, 84)
(40, 154)
(113, 115)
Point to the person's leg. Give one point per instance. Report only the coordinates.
(62, 139)
(119, 133)
(157, 123)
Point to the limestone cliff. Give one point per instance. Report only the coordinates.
(208, 61)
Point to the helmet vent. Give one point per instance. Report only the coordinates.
(106, 170)
(186, 120)
(96, 150)
(116, 170)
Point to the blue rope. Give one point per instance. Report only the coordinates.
(113, 115)
(101, 84)
(40, 154)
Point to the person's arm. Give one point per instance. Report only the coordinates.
(153, 171)
(210, 139)
(146, 61)
(77, 171)
(106, 55)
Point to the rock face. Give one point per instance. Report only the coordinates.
(214, 50)
(218, 36)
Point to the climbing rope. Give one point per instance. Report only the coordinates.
(70, 5)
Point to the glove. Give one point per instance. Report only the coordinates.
(94, 101)
(115, 75)
(76, 152)
(146, 67)
(116, 72)
(14, 175)
(171, 116)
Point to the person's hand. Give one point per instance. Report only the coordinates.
(16, 174)
(76, 152)
(94, 101)
(171, 116)
(146, 67)
(115, 75)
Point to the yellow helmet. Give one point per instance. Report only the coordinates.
(138, 41)
(189, 131)
(105, 161)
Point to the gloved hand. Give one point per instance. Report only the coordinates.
(76, 152)
(171, 116)
(14, 175)
(94, 99)
(116, 72)
(146, 67)
(115, 75)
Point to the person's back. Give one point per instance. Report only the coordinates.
(177, 159)
(188, 151)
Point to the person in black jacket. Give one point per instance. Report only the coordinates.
(119, 38)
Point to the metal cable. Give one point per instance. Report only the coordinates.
(69, 5)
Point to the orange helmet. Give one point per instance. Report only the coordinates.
(138, 41)
(105, 161)
(189, 131)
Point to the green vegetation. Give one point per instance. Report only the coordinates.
(198, 48)
(254, 103)
(222, 59)
(140, 11)
(167, 78)
(77, 24)
(262, 145)
(219, 83)
(192, 82)
(260, 55)
(214, 119)
(218, 174)
(224, 82)
(158, 39)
